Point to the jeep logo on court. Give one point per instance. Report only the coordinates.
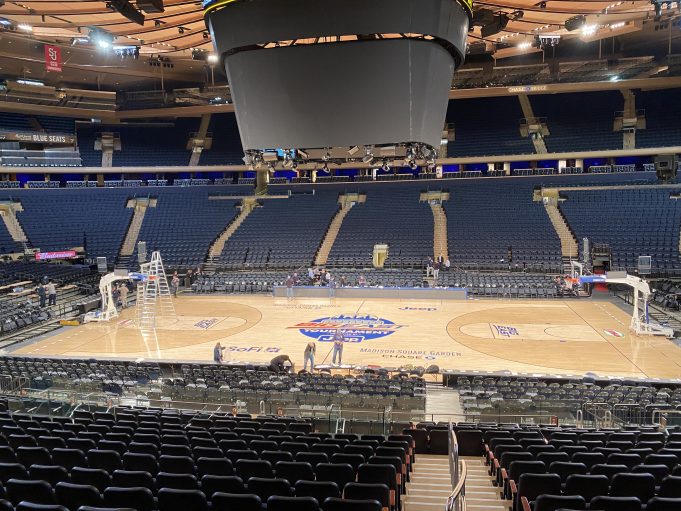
(355, 327)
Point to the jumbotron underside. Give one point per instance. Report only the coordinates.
(310, 75)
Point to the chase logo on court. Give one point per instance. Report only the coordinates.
(355, 327)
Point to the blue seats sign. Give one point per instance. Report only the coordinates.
(355, 327)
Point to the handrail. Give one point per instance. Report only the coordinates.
(458, 470)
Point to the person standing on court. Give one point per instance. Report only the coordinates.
(42, 294)
(338, 340)
(436, 269)
(175, 284)
(310, 351)
(123, 291)
(51, 293)
(218, 354)
(289, 287)
(332, 287)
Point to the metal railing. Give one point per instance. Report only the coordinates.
(458, 471)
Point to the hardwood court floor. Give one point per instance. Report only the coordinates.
(539, 337)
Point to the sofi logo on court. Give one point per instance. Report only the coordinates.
(355, 327)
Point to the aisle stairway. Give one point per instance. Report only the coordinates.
(8, 212)
(130, 241)
(247, 205)
(568, 243)
(430, 485)
(440, 245)
(331, 234)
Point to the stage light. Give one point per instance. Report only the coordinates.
(386, 166)
(212, 58)
(368, 157)
(525, 45)
(575, 23)
(127, 10)
(180, 30)
(103, 44)
(615, 78)
(24, 27)
(205, 35)
(589, 29)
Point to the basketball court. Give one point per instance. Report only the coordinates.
(538, 337)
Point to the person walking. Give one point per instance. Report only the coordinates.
(175, 284)
(338, 340)
(310, 351)
(289, 287)
(51, 293)
(116, 295)
(218, 353)
(42, 294)
(123, 291)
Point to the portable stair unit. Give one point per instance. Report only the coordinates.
(154, 302)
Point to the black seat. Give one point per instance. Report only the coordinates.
(669, 460)
(589, 459)
(38, 492)
(49, 473)
(96, 477)
(547, 502)
(588, 486)
(382, 474)
(177, 481)
(12, 471)
(280, 503)
(294, 471)
(140, 462)
(73, 495)
(609, 471)
(231, 502)
(333, 504)
(137, 496)
(31, 506)
(470, 442)
(355, 460)
(69, 458)
(214, 466)
(275, 456)
(630, 460)
(212, 484)
(176, 464)
(170, 499)
(530, 486)
(659, 472)
(266, 487)
(564, 470)
(663, 504)
(368, 491)
(606, 503)
(254, 468)
(320, 490)
(133, 479)
(439, 441)
(641, 486)
(28, 456)
(670, 487)
(313, 458)
(104, 459)
(339, 473)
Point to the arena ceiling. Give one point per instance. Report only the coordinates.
(180, 29)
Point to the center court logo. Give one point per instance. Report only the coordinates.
(355, 327)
